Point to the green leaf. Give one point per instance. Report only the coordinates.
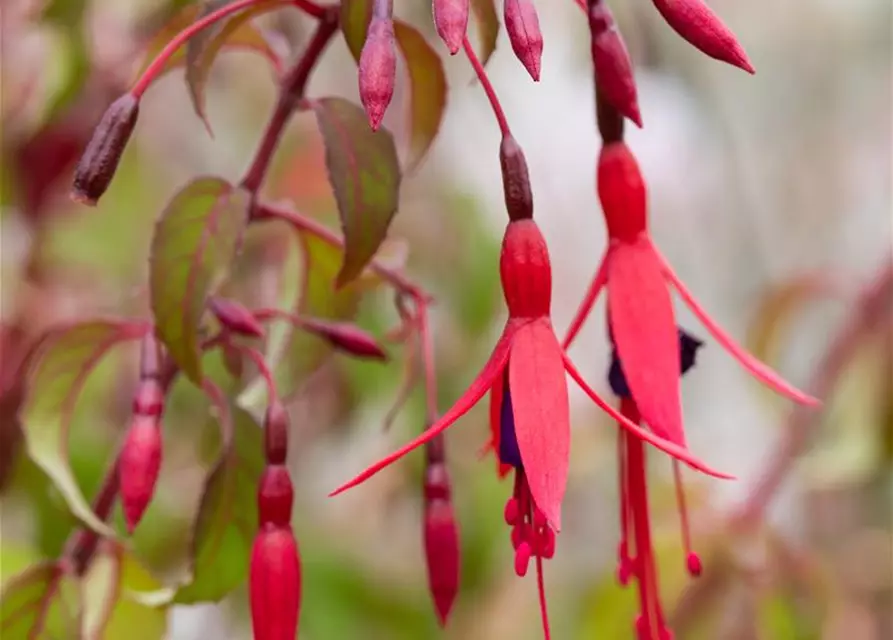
(428, 89)
(227, 518)
(355, 17)
(108, 609)
(41, 603)
(488, 27)
(60, 368)
(202, 49)
(365, 176)
(196, 240)
(241, 36)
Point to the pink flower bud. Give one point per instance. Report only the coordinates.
(442, 556)
(378, 69)
(236, 318)
(703, 29)
(451, 21)
(276, 433)
(138, 468)
(515, 180)
(613, 69)
(523, 27)
(347, 337)
(275, 584)
(274, 497)
(97, 166)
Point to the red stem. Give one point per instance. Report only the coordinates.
(488, 88)
(311, 8)
(427, 346)
(262, 367)
(291, 91)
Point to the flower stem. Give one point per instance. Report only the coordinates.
(427, 346)
(291, 92)
(488, 88)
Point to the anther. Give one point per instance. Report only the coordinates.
(522, 558)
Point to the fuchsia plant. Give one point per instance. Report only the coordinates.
(199, 235)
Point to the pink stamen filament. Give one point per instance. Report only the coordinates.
(624, 567)
(541, 588)
(181, 38)
(693, 562)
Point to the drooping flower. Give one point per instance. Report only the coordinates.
(640, 311)
(378, 65)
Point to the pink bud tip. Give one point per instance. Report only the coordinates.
(347, 337)
(442, 556)
(613, 68)
(522, 558)
(704, 30)
(236, 318)
(451, 22)
(523, 27)
(693, 563)
(275, 496)
(275, 584)
(139, 464)
(378, 69)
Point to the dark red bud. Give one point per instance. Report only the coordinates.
(613, 68)
(347, 337)
(621, 190)
(437, 482)
(378, 69)
(525, 270)
(704, 30)
(523, 27)
(236, 318)
(139, 463)
(275, 584)
(97, 165)
(515, 180)
(442, 556)
(148, 399)
(275, 496)
(276, 433)
(451, 22)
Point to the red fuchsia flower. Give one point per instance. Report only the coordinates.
(534, 434)
(441, 535)
(523, 27)
(703, 29)
(141, 453)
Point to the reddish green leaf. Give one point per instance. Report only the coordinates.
(202, 49)
(365, 176)
(428, 89)
(41, 603)
(195, 241)
(109, 611)
(488, 27)
(227, 517)
(60, 368)
(355, 17)
(242, 36)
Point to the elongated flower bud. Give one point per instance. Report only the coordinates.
(441, 535)
(613, 69)
(523, 26)
(97, 166)
(275, 495)
(378, 69)
(275, 584)
(347, 337)
(451, 22)
(140, 462)
(276, 433)
(703, 29)
(236, 318)
(515, 180)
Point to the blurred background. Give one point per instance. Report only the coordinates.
(770, 195)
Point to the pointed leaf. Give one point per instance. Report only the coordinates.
(195, 241)
(365, 176)
(428, 90)
(202, 49)
(227, 517)
(542, 414)
(60, 368)
(109, 609)
(640, 313)
(487, 20)
(41, 603)
(244, 37)
(355, 17)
